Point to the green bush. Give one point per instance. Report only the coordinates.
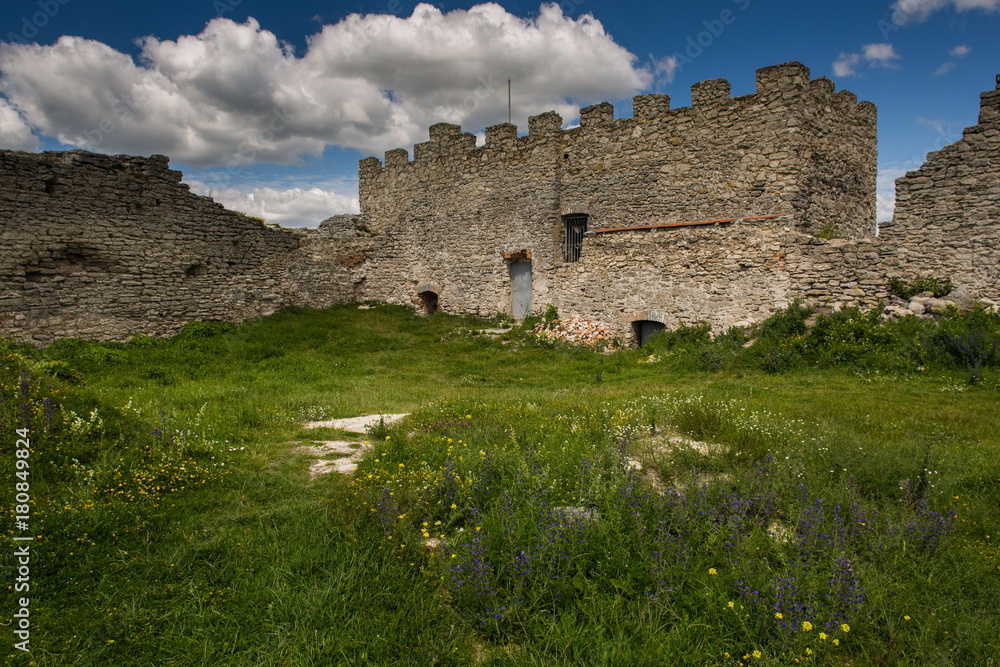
(938, 286)
(969, 339)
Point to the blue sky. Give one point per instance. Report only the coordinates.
(269, 106)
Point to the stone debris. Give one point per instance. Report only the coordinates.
(357, 424)
(780, 532)
(348, 454)
(703, 448)
(926, 305)
(576, 514)
(577, 330)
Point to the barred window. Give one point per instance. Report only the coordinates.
(575, 225)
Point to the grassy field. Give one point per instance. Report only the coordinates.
(791, 495)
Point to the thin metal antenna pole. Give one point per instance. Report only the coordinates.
(508, 100)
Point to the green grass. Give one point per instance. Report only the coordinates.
(176, 524)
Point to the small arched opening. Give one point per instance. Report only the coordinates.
(428, 302)
(646, 329)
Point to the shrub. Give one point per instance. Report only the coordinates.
(970, 339)
(785, 322)
(938, 286)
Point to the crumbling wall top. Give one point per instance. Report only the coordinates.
(777, 83)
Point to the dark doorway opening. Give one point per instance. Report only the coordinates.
(429, 302)
(646, 329)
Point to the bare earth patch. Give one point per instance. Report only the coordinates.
(356, 424)
(341, 455)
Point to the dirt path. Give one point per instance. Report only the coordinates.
(343, 455)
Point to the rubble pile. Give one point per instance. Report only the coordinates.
(579, 331)
(926, 305)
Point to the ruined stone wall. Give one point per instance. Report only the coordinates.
(835, 273)
(720, 274)
(720, 200)
(106, 247)
(452, 217)
(947, 218)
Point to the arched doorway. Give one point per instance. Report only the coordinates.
(646, 329)
(646, 324)
(428, 302)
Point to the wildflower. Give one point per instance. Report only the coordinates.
(809, 651)
(906, 618)
(454, 506)
(845, 627)
(756, 654)
(836, 642)
(822, 636)
(731, 604)
(806, 626)
(712, 571)
(778, 615)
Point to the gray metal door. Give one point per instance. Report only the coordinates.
(646, 328)
(520, 284)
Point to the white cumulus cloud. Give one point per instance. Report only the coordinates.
(874, 55)
(879, 55)
(292, 207)
(960, 51)
(845, 63)
(15, 134)
(885, 187)
(905, 12)
(235, 94)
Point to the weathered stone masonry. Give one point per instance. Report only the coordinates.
(703, 213)
(454, 216)
(107, 247)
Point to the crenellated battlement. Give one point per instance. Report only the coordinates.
(773, 85)
(712, 92)
(719, 157)
(989, 105)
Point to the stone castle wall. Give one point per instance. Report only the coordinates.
(453, 217)
(707, 213)
(947, 218)
(106, 247)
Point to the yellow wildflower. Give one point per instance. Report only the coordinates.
(712, 571)
(845, 627)
(806, 626)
